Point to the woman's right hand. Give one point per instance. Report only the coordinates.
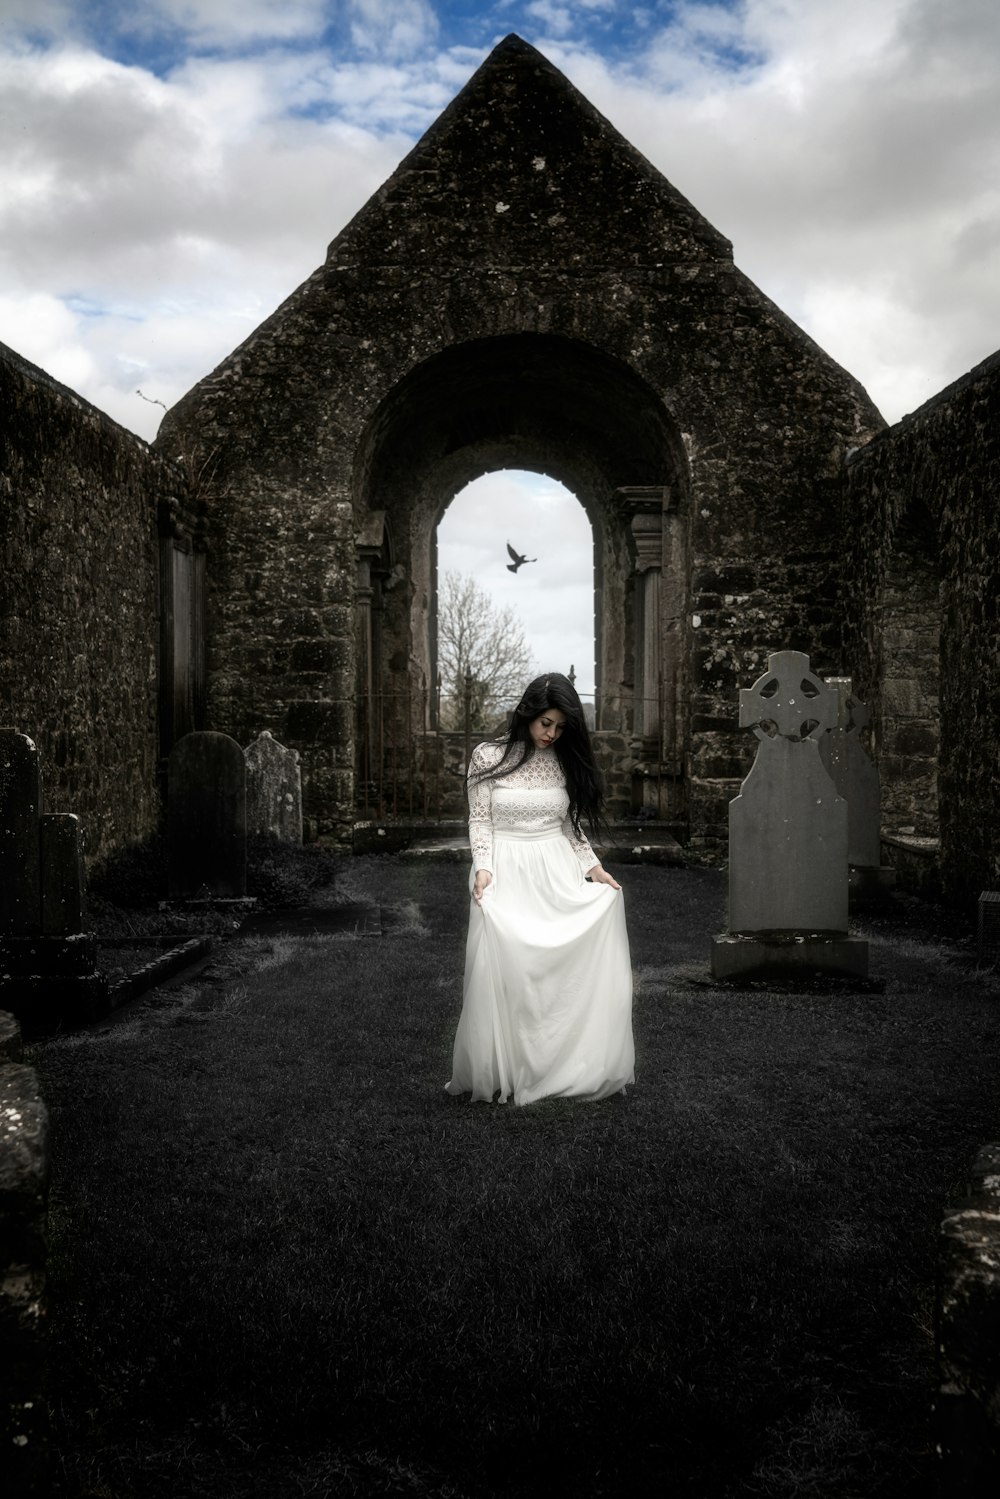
(483, 879)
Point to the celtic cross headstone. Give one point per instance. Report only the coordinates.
(788, 826)
(788, 835)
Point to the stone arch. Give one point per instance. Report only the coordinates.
(567, 409)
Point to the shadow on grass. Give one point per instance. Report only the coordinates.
(285, 1262)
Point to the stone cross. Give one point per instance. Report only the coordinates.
(788, 825)
(274, 790)
(207, 819)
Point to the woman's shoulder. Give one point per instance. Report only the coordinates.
(486, 755)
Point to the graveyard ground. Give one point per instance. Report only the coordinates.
(284, 1262)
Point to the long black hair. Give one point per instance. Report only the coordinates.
(584, 784)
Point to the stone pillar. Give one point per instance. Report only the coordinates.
(647, 538)
(656, 530)
(371, 546)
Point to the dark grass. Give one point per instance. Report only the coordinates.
(127, 894)
(286, 1262)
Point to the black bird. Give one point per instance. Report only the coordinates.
(512, 567)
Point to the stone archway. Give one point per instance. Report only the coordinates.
(566, 409)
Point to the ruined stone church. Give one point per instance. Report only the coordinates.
(526, 291)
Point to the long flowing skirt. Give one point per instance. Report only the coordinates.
(547, 1006)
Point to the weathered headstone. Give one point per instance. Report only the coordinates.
(854, 773)
(48, 963)
(788, 836)
(62, 874)
(20, 854)
(274, 790)
(207, 818)
(856, 777)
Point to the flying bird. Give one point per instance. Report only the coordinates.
(512, 567)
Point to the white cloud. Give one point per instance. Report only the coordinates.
(392, 28)
(853, 156)
(44, 331)
(223, 23)
(855, 165)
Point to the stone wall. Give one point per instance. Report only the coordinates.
(79, 615)
(924, 641)
(525, 291)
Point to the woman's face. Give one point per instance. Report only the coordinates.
(546, 728)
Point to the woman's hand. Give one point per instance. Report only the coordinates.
(483, 878)
(599, 876)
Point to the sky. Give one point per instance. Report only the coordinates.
(170, 170)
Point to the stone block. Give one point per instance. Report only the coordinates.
(789, 956)
(207, 818)
(319, 720)
(20, 854)
(313, 656)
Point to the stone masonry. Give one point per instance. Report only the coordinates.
(924, 631)
(526, 290)
(80, 602)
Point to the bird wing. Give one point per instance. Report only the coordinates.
(513, 554)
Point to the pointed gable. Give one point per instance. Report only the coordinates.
(521, 169)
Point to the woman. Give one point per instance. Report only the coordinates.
(547, 1006)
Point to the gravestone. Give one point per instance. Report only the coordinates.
(48, 963)
(62, 874)
(207, 819)
(788, 837)
(20, 851)
(856, 777)
(274, 790)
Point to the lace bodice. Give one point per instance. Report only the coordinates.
(531, 799)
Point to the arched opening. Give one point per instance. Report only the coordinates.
(500, 621)
(562, 408)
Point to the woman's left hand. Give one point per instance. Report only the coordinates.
(599, 876)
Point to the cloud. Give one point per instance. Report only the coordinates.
(852, 153)
(178, 213)
(223, 23)
(853, 161)
(392, 28)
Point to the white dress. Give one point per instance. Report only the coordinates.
(547, 1005)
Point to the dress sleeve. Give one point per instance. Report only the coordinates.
(580, 847)
(480, 813)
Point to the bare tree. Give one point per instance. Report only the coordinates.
(488, 644)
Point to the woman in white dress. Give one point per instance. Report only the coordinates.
(547, 1005)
